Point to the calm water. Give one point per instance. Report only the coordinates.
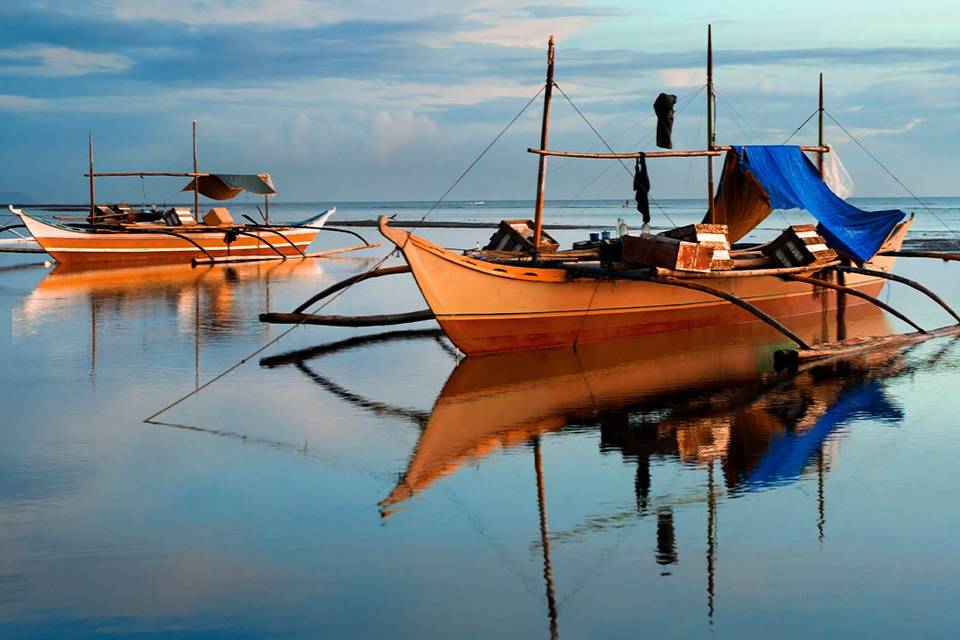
(666, 487)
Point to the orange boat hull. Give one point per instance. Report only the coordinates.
(486, 307)
(74, 247)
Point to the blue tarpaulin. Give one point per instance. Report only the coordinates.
(793, 182)
(788, 455)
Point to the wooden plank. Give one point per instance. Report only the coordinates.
(939, 255)
(347, 321)
(747, 273)
(716, 151)
(856, 346)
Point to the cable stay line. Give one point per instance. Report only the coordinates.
(376, 265)
(482, 153)
(797, 130)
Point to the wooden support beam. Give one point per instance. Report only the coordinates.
(820, 132)
(196, 182)
(93, 203)
(146, 174)
(939, 255)
(711, 123)
(348, 321)
(852, 347)
(745, 273)
(695, 153)
(544, 133)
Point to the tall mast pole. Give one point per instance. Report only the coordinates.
(93, 206)
(544, 130)
(820, 129)
(196, 178)
(711, 133)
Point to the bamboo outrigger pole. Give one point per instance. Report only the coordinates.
(93, 206)
(196, 179)
(711, 132)
(717, 150)
(544, 129)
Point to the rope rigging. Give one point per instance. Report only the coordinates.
(328, 301)
(482, 153)
(797, 130)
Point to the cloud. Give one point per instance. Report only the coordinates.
(871, 132)
(686, 77)
(558, 10)
(20, 103)
(390, 132)
(55, 61)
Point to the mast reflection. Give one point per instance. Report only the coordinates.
(713, 404)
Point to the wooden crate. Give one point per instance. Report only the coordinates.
(670, 253)
(799, 245)
(179, 216)
(712, 235)
(517, 235)
(715, 234)
(217, 217)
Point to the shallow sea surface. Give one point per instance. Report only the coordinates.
(335, 485)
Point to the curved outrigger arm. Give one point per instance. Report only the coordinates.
(298, 315)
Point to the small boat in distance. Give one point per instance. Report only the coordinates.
(116, 242)
(119, 234)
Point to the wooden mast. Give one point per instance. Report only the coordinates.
(711, 133)
(544, 130)
(93, 206)
(820, 129)
(841, 276)
(196, 177)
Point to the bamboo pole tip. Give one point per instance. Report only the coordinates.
(551, 40)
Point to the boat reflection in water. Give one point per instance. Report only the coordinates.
(709, 398)
(211, 302)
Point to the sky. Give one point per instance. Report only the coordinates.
(392, 100)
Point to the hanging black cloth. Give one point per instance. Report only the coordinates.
(663, 107)
(641, 184)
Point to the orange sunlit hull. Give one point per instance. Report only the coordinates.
(84, 248)
(486, 307)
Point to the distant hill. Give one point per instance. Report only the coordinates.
(14, 197)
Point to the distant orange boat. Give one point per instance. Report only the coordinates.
(119, 234)
(152, 243)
